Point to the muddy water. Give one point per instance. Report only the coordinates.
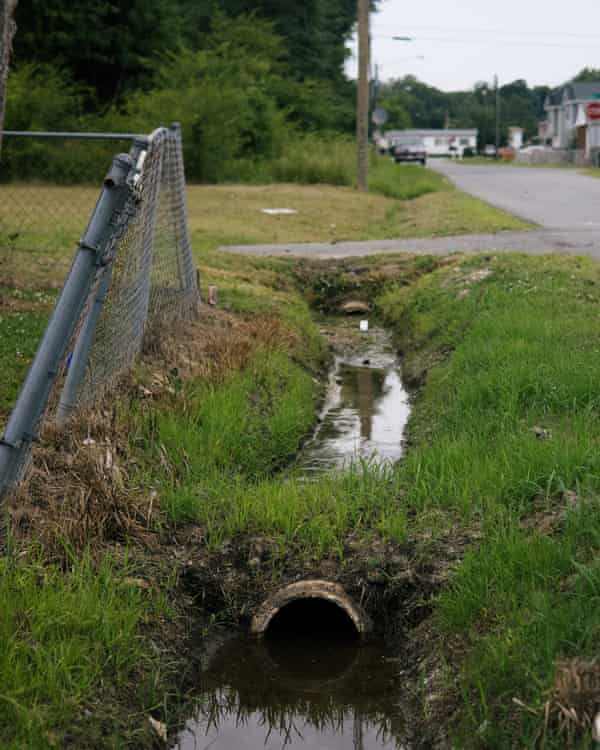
(366, 408)
(308, 693)
(312, 685)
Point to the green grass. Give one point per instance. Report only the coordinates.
(229, 445)
(314, 160)
(498, 355)
(505, 345)
(250, 425)
(22, 322)
(404, 181)
(66, 639)
(501, 346)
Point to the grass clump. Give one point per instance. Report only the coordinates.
(405, 182)
(248, 425)
(315, 160)
(65, 636)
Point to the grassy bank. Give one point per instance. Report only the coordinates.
(94, 581)
(41, 224)
(506, 437)
(73, 649)
(200, 512)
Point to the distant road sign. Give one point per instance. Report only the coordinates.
(379, 117)
(593, 111)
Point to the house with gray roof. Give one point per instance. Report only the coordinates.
(568, 124)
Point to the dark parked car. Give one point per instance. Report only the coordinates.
(411, 151)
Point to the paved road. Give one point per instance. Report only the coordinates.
(551, 198)
(563, 203)
(534, 243)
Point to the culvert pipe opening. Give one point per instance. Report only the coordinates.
(311, 608)
(312, 618)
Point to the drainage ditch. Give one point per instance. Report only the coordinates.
(313, 675)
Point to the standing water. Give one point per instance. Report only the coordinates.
(366, 408)
(310, 683)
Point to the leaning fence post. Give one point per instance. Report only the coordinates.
(87, 335)
(31, 403)
(81, 352)
(188, 279)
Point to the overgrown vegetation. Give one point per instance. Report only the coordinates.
(234, 83)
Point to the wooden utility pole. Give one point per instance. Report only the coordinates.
(362, 100)
(497, 89)
(7, 32)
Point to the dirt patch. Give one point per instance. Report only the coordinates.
(549, 515)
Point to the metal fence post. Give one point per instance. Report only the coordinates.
(189, 279)
(81, 352)
(85, 340)
(23, 422)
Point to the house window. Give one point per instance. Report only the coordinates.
(441, 141)
(464, 141)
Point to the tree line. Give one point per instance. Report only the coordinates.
(244, 77)
(411, 103)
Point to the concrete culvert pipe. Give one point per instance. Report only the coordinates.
(315, 605)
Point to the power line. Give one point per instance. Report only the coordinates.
(503, 32)
(498, 42)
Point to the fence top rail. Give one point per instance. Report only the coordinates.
(66, 134)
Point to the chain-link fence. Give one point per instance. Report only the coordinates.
(133, 272)
(48, 189)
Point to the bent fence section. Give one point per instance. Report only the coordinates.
(132, 273)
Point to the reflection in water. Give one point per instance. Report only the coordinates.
(365, 413)
(304, 693)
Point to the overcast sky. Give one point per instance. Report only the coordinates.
(464, 41)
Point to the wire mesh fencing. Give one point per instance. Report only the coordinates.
(132, 275)
(48, 188)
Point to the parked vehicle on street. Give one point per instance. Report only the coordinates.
(411, 151)
(489, 150)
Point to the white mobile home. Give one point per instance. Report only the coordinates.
(437, 142)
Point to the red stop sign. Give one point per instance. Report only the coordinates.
(593, 111)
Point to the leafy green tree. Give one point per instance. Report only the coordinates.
(428, 107)
(398, 115)
(223, 95)
(42, 96)
(588, 75)
(110, 45)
